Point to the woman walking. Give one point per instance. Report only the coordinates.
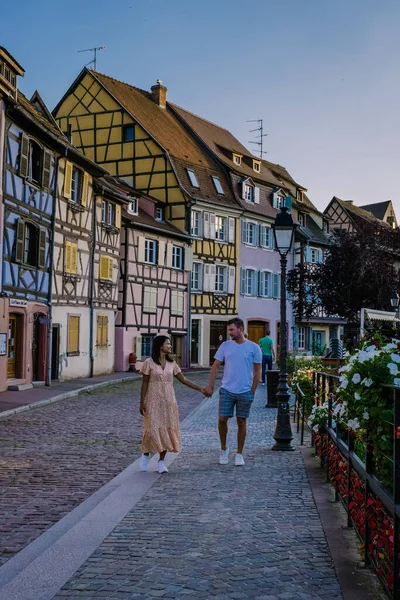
(158, 403)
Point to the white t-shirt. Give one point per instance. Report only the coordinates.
(239, 360)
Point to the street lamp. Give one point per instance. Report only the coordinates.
(283, 229)
(395, 300)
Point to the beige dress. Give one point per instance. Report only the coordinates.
(161, 417)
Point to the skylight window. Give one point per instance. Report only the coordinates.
(217, 184)
(193, 178)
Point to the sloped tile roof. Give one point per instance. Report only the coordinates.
(378, 209)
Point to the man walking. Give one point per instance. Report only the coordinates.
(268, 353)
(242, 360)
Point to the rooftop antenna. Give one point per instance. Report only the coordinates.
(260, 137)
(94, 59)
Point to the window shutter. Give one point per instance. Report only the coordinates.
(231, 280)
(260, 283)
(275, 200)
(257, 195)
(212, 227)
(231, 237)
(110, 268)
(68, 179)
(118, 216)
(153, 299)
(213, 274)
(188, 258)
(24, 156)
(244, 231)
(141, 242)
(74, 258)
(161, 253)
(288, 202)
(320, 256)
(138, 347)
(42, 249)
(47, 156)
(257, 235)
(98, 331)
(85, 189)
(169, 255)
(244, 190)
(20, 240)
(67, 257)
(103, 267)
(201, 224)
(275, 285)
(254, 283)
(206, 283)
(206, 231)
(174, 302)
(308, 254)
(73, 334)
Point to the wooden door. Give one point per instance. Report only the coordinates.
(255, 331)
(195, 342)
(12, 347)
(218, 335)
(55, 350)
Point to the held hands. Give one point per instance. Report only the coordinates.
(206, 392)
(142, 410)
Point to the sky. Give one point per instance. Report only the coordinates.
(322, 74)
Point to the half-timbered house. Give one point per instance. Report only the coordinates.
(137, 137)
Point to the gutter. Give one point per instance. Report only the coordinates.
(53, 227)
(91, 288)
(2, 173)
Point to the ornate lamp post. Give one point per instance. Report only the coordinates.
(395, 300)
(283, 229)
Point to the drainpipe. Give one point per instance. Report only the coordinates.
(53, 227)
(91, 287)
(2, 170)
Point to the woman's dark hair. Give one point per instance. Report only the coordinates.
(158, 343)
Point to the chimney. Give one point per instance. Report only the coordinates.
(159, 94)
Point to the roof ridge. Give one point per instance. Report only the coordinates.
(199, 117)
(119, 81)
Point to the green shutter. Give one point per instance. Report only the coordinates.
(24, 156)
(46, 169)
(20, 241)
(42, 249)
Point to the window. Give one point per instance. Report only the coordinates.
(195, 228)
(314, 255)
(177, 302)
(266, 284)
(220, 279)
(256, 166)
(266, 237)
(133, 206)
(106, 268)
(302, 219)
(73, 335)
(251, 233)
(108, 210)
(237, 159)
(326, 226)
(220, 228)
(217, 184)
(150, 299)
(102, 331)
(150, 251)
(177, 257)
(250, 285)
(76, 183)
(128, 133)
(301, 338)
(34, 162)
(197, 272)
(147, 341)
(71, 258)
(159, 214)
(30, 244)
(193, 178)
(248, 193)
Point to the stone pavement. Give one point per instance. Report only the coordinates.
(211, 531)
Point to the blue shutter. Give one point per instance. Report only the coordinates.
(275, 285)
(288, 203)
(260, 283)
(257, 235)
(308, 254)
(254, 282)
(244, 231)
(243, 281)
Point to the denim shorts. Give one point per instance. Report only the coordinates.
(228, 400)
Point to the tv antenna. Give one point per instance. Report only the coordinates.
(259, 137)
(94, 59)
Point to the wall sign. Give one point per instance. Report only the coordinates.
(3, 344)
(18, 302)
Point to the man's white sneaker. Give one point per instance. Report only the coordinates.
(224, 457)
(144, 462)
(239, 460)
(161, 467)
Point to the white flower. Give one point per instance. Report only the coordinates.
(363, 356)
(353, 424)
(394, 369)
(316, 427)
(395, 358)
(343, 385)
(390, 346)
(365, 416)
(356, 378)
(367, 382)
(370, 348)
(357, 396)
(397, 381)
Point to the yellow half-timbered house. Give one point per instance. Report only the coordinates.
(138, 138)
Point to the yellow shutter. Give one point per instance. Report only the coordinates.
(118, 216)
(74, 258)
(85, 189)
(105, 331)
(73, 334)
(110, 268)
(68, 179)
(68, 257)
(106, 267)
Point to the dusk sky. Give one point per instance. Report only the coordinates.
(323, 75)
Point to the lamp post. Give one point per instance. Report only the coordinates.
(395, 300)
(283, 229)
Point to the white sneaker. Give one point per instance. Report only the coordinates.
(161, 467)
(224, 457)
(144, 462)
(239, 460)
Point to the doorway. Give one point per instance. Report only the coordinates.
(176, 342)
(12, 347)
(218, 334)
(55, 352)
(195, 342)
(256, 330)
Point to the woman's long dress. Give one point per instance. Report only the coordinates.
(161, 417)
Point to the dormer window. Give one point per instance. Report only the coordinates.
(248, 192)
(133, 206)
(237, 159)
(257, 166)
(159, 214)
(302, 219)
(193, 178)
(326, 226)
(217, 184)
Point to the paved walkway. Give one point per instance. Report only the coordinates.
(202, 531)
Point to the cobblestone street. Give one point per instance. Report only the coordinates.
(53, 457)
